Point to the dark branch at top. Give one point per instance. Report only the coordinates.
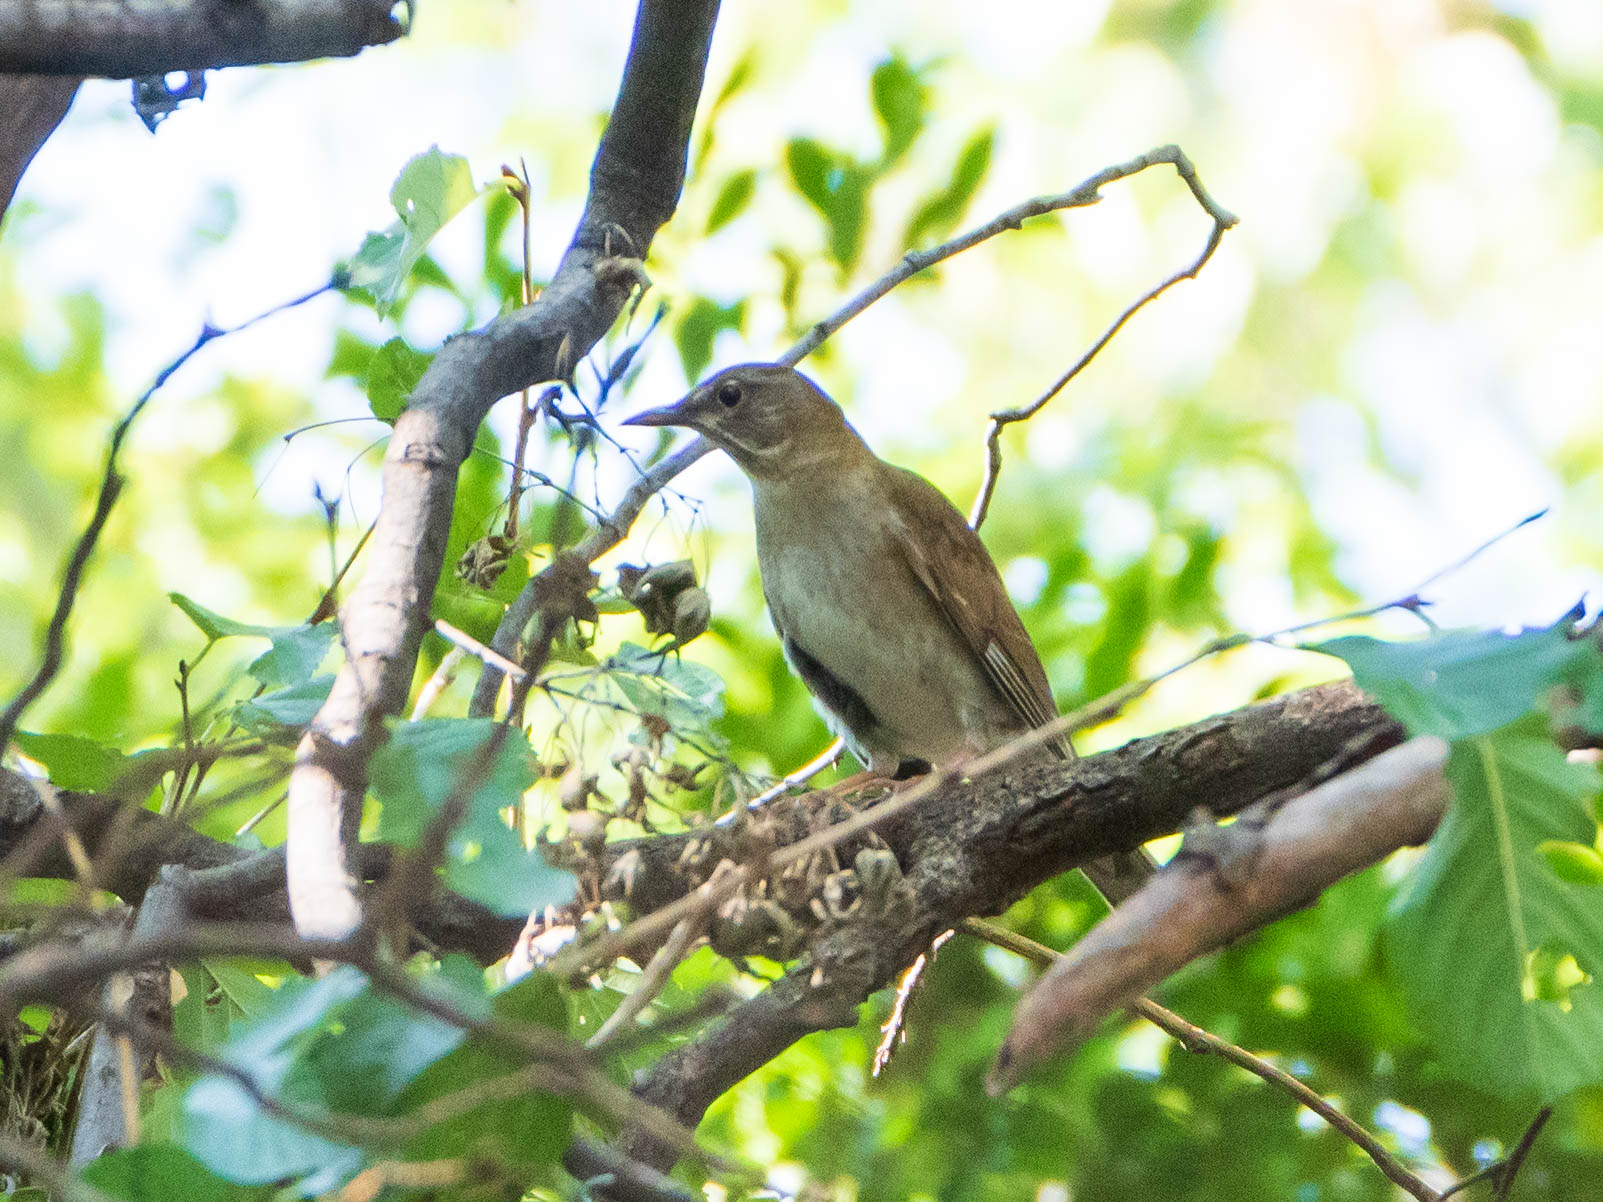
(119, 40)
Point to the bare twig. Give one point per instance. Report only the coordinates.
(1222, 221)
(111, 484)
(651, 982)
(1195, 1039)
(467, 643)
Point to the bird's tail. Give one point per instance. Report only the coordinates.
(1118, 876)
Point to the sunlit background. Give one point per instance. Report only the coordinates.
(1394, 358)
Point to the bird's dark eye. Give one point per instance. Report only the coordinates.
(729, 394)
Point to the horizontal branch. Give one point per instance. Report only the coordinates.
(123, 39)
(975, 849)
(130, 845)
(1225, 882)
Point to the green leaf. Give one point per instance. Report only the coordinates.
(163, 1173)
(213, 625)
(223, 1126)
(291, 707)
(732, 199)
(699, 327)
(296, 654)
(335, 1045)
(72, 761)
(940, 212)
(901, 101)
(238, 979)
(427, 763)
(520, 1129)
(432, 188)
(1482, 938)
(837, 186)
(391, 377)
(1112, 661)
(1462, 683)
(1577, 863)
(684, 693)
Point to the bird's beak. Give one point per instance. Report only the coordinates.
(677, 414)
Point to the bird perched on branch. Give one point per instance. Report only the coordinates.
(888, 606)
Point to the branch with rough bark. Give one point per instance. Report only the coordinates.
(1278, 856)
(634, 188)
(975, 849)
(120, 40)
(36, 106)
(128, 846)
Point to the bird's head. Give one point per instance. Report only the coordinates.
(770, 418)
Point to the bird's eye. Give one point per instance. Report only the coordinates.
(729, 394)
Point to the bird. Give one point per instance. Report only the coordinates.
(887, 604)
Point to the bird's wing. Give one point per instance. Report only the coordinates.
(958, 573)
(956, 570)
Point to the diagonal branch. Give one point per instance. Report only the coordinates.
(975, 849)
(634, 187)
(1277, 857)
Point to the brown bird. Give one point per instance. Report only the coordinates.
(888, 606)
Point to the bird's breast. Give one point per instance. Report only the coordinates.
(838, 587)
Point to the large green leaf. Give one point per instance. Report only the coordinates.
(222, 1125)
(297, 651)
(684, 693)
(1494, 947)
(1460, 683)
(164, 1173)
(521, 1131)
(1487, 941)
(432, 188)
(72, 761)
(426, 763)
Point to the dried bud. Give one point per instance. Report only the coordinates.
(692, 610)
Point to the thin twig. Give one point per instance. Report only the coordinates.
(1222, 221)
(824, 759)
(1505, 1183)
(650, 984)
(111, 483)
(1088, 192)
(466, 642)
(1194, 1039)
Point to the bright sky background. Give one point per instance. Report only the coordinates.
(1474, 349)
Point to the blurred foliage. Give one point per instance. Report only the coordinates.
(1229, 463)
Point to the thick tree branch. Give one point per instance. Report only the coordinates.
(975, 849)
(36, 105)
(1277, 857)
(635, 184)
(129, 846)
(120, 39)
